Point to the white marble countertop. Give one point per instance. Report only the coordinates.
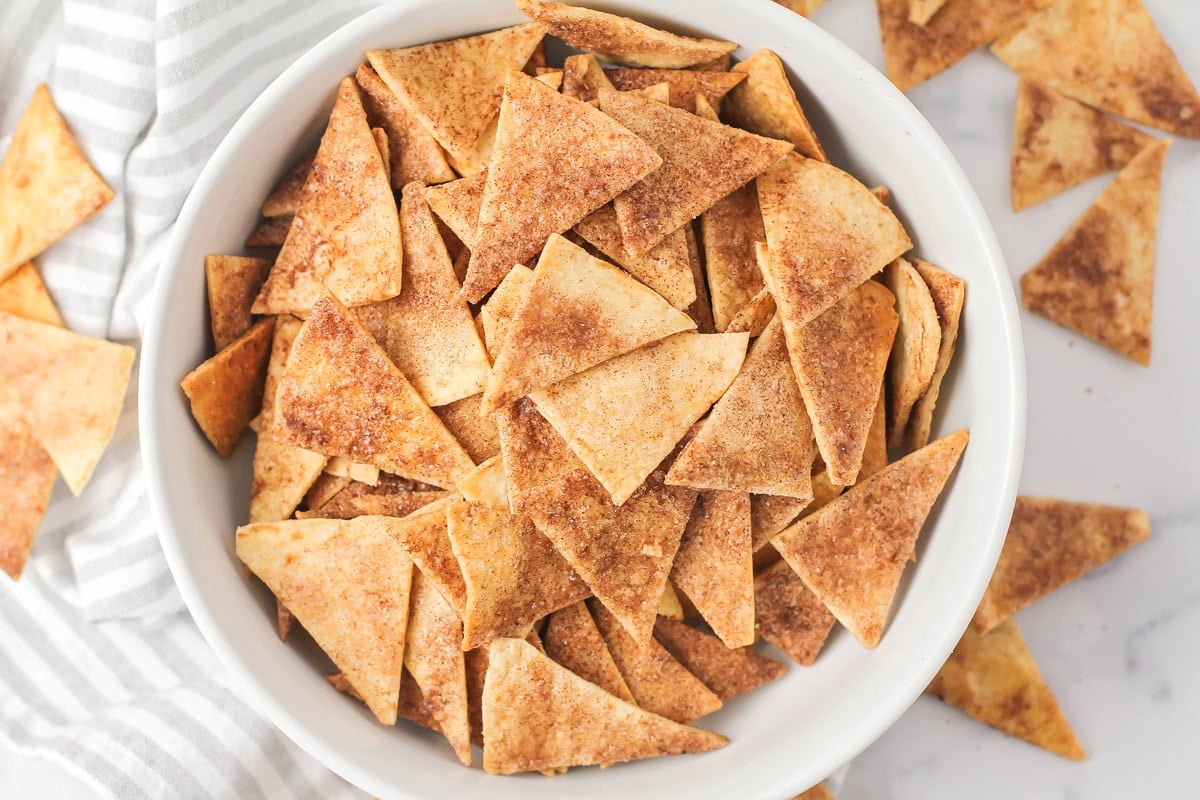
(1120, 648)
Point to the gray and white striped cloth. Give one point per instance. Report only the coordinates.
(101, 668)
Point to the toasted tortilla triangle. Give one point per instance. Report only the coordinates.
(1098, 280)
(457, 204)
(659, 683)
(532, 452)
(545, 142)
(47, 186)
(579, 311)
(344, 468)
(284, 199)
(1108, 54)
(730, 230)
(993, 677)
(701, 309)
(620, 40)
(538, 715)
(921, 11)
(433, 657)
(1059, 143)
(69, 388)
(684, 85)
(226, 391)
(914, 53)
(702, 161)
(766, 104)
(839, 360)
(233, 282)
(346, 234)
(875, 450)
(412, 705)
(485, 484)
(802, 7)
(918, 341)
(583, 78)
(27, 473)
(727, 671)
(1051, 543)
(475, 432)
(788, 615)
(758, 437)
(826, 234)
(398, 504)
(454, 87)
(24, 294)
(948, 293)
(756, 314)
(623, 417)
(340, 394)
(818, 792)
(573, 640)
(271, 232)
(330, 571)
(414, 153)
(423, 536)
(770, 514)
(501, 308)
(670, 604)
(665, 268)
(714, 568)
(852, 552)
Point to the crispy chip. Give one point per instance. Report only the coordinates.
(1108, 54)
(713, 565)
(538, 715)
(1059, 143)
(532, 452)
(948, 293)
(498, 312)
(573, 640)
(1051, 543)
(47, 186)
(994, 678)
(918, 341)
(701, 310)
(475, 432)
(69, 388)
(270, 232)
(619, 40)
(324, 489)
(434, 658)
(766, 104)
(684, 85)
(730, 230)
(412, 705)
(342, 395)
(424, 537)
(826, 234)
(233, 283)
(27, 474)
(665, 268)
(921, 11)
(415, 154)
(226, 391)
(790, 616)
(770, 514)
(758, 437)
(578, 312)
(330, 571)
(670, 604)
(875, 450)
(702, 161)
(583, 78)
(802, 7)
(547, 146)
(818, 792)
(398, 504)
(485, 484)
(727, 671)
(852, 552)
(24, 294)
(756, 315)
(457, 204)
(659, 683)
(1098, 280)
(284, 199)
(363, 473)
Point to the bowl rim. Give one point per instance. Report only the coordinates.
(153, 371)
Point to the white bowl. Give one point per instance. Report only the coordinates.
(785, 736)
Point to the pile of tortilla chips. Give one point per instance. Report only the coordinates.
(556, 370)
(60, 392)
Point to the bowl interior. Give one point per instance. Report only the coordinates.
(785, 736)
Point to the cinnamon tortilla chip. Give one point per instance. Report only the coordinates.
(790, 616)
(271, 232)
(363, 473)
(730, 230)
(398, 504)
(948, 293)
(801, 7)
(532, 452)
(665, 268)
(433, 657)
(573, 640)
(457, 204)
(47, 186)
(324, 489)
(284, 199)
(727, 671)
(583, 78)
(770, 514)
(24, 294)
(412, 705)
(226, 391)
(915, 349)
(485, 484)
(701, 309)
(818, 792)
(27, 474)
(684, 85)
(875, 450)
(755, 315)
(475, 432)
(921, 11)
(415, 154)
(501, 308)
(423, 536)
(670, 605)
(233, 283)
(765, 103)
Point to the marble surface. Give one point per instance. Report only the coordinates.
(1119, 647)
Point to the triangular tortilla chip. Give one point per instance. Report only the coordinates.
(758, 437)
(454, 87)
(583, 78)
(427, 330)
(415, 154)
(702, 161)
(345, 468)
(485, 484)
(1051, 543)
(914, 53)
(670, 604)
(573, 640)
(579, 311)
(948, 293)
(423, 536)
(993, 677)
(284, 199)
(727, 671)
(755, 315)
(330, 571)
(839, 360)
(1108, 54)
(324, 489)
(346, 235)
(730, 230)
(701, 310)
(802, 7)
(826, 234)
(921, 11)
(790, 616)
(1059, 143)
(623, 417)
(24, 294)
(47, 186)
(412, 705)
(544, 144)
(684, 85)
(665, 268)
(399, 504)
(916, 345)
(457, 204)
(766, 104)
(818, 792)
(1098, 280)
(271, 232)
(233, 282)
(475, 432)
(770, 514)
(538, 715)
(875, 450)
(532, 452)
(498, 312)
(852, 552)
(69, 389)
(433, 657)
(27, 474)
(226, 391)
(620, 40)
(713, 566)
(659, 683)
(340, 394)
